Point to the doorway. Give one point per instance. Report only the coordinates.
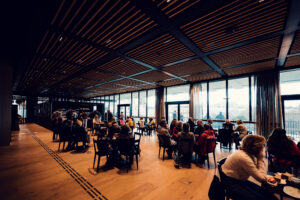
(125, 108)
(178, 110)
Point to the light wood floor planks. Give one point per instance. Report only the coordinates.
(27, 171)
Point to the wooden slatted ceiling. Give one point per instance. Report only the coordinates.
(175, 7)
(251, 19)
(248, 53)
(296, 45)
(292, 61)
(171, 82)
(100, 76)
(202, 77)
(147, 86)
(251, 68)
(187, 68)
(160, 51)
(111, 23)
(128, 82)
(122, 67)
(152, 76)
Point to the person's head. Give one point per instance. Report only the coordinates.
(191, 119)
(114, 124)
(113, 119)
(174, 121)
(253, 144)
(141, 118)
(162, 124)
(206, 126)
(199, 122)
(96, 117)
(239, 121)
(186, 127)
(179, 125)
(163, 119)
(278, 140)
(108, 111)
(227, 121)
(150, 119)
(210, 121)
(125, 130)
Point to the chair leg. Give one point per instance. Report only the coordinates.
(208, 161)
(58, 146)
(94, 161)
(64, 146)
(215, 158)
(127, 163)
(159, 152)
(164, 153)
(98, 163)
(137, 162)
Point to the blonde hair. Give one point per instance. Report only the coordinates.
(253, 144)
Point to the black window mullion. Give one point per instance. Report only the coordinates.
(227, 99)
(250, 100)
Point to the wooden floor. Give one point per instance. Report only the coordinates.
(31, 169)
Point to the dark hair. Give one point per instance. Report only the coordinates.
(206, 126)
(279, 142)
(179, 126)
(186, 127)
(125, 130)
(162, 123)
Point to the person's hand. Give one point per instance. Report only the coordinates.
(261, 154)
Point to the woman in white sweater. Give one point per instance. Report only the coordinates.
(246, 162)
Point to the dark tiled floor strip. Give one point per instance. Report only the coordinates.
(88, 187)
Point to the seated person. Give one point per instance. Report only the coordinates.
(112, 120)
(201, 145)
(113, 130)
(228, 128)
(163, 130)
(96, 122)
(242, 129)
(246, 162)
(176, 130)
(187, 151)
(192, 124)
(200, 129)
(210, 122)
(151, 125)
(172, 125)
(125, 132)
(279, 143)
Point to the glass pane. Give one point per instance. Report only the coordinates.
(135, 104)
(289, 82)
(238, 99)
(106, 103)
(184, 112)
(253, 98)
(127, 111)
(217, 100)
(203, 101)
(151, 103)
(172, 112)
(178, 93)
(142, 104)
(292, 120)
(111, 104)
(116, 104)
(125, 98)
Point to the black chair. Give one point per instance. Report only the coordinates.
(185, 151)
(278, 167)
(80, 135)
(137, 140)
(90, 125)
(101, 148)
(126, 147)
(163, 143)
(64, 135)
(208, 144)
(220, 163)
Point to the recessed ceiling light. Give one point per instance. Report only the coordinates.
(45, 59)
(108, 41)
(260, 1)
(166, 41)
(60, 38)
(168, 1)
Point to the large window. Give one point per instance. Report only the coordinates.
(217, 100)
(116, 104)
(106, 103)
(151, 103)
(111, 104)
(203, 100)
(290, 82)
(178, 93)
(142, 104)
(125, 98)
(135, 104)
(238, 99)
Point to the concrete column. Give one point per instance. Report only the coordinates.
(6, 77)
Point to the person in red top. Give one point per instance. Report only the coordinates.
(202, 148)
(279, 143)
(177, 129)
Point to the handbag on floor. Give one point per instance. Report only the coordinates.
(216, 189)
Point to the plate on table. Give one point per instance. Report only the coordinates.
(272, 181)
(292, 191)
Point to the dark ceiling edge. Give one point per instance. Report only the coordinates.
(156, 14)
(290, 31)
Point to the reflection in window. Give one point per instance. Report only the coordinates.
(217, 100)
(125, 98)
(238, 99)
(289, 82)
(151, 103)
(135, 104)
(178, 93)
(142, 104)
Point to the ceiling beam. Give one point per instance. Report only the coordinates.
(291, 26)
(159, 17)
